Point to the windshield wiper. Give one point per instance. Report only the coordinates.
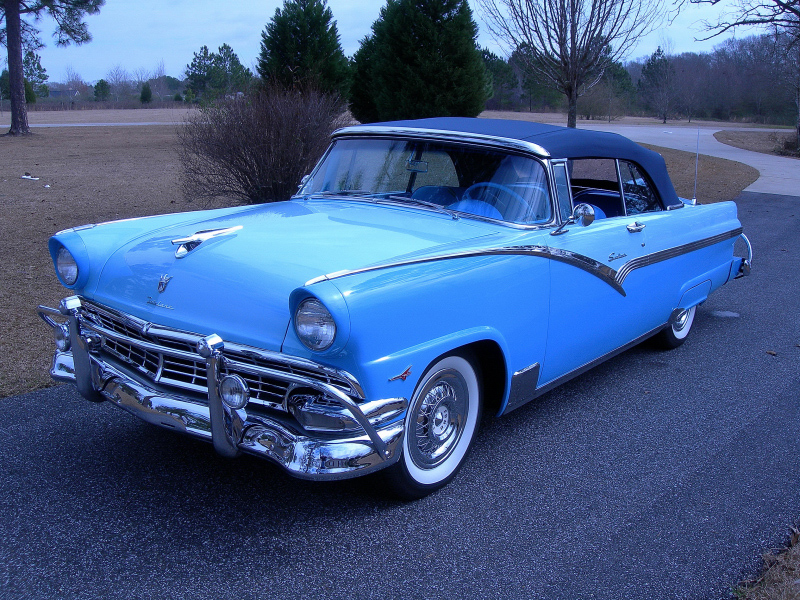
(433, 205)
(359, 194)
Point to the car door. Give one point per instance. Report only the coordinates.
(592, 312)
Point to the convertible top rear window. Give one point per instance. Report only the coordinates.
(467, 179)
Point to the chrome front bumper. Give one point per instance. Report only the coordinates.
(302, 453)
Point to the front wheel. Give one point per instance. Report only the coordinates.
(440, 425)
(674, 334)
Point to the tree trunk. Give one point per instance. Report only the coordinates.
(16, 80)
(572, 110)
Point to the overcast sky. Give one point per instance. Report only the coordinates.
(139, 34)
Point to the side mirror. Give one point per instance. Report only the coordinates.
(582, 215)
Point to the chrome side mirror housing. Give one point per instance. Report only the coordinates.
(582, 215)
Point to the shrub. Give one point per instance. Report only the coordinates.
(256, 148)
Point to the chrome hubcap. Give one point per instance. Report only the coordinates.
(680, 321)
(440, 415)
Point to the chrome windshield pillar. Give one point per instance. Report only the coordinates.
(227, 424)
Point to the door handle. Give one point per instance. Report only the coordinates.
(635, 227)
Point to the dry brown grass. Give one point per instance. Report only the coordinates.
(780, 579)
(717, 178)
(777, 143)
(94, 174)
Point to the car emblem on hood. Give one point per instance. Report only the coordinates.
(162, 283)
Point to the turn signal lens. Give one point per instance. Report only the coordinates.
(66, 266)
(314, 325)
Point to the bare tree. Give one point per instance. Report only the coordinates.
(120, 82)
(781, 15)
(571, 42)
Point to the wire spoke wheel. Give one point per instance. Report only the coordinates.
(440, 426)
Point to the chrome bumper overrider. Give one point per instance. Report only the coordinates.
(368, 446)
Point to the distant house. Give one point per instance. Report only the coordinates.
(71, 94)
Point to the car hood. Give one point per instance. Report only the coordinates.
(237, 284)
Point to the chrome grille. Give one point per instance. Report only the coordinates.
(168, 357)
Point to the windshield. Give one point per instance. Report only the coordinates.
(472, 181)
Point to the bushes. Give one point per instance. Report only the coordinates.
(257, 148)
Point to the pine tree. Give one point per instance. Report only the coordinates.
(16, 32)
(656, 83)
(102, 90)
(147, 94)
(35, 73)
(300, 48)
(424, 61)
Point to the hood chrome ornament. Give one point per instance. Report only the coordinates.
(187, 244)
(163, 282)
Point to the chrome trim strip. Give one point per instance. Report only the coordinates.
(585, 263)
(662, 255)
(523, 387)
(439, 134)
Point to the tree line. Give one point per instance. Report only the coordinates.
(751, 79)
(421, 59)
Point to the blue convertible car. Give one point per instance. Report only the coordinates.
(425, 271)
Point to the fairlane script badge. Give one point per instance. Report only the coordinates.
(162, 283)
(154, 302)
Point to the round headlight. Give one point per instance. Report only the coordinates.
(66, 266)
(314, 325)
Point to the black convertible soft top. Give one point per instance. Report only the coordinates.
(560, 142)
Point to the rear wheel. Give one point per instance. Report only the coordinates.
(440, 425)
(674, 334)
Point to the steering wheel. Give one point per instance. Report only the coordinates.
(497, 195)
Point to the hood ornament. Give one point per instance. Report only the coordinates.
(187, 244)
(162, 283)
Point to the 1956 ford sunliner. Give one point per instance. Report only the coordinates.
(424, 271)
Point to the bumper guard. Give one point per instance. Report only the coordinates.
(304, 454)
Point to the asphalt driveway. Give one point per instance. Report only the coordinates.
(656, 475)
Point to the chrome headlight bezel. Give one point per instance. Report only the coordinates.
(314, 325)
(66, 267)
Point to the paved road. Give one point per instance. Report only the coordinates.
(777, 175)
(656, 475)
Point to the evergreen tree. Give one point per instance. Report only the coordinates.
(300, 48)
(147, 94)
(102, 90)
(35, 73)
(16, 32)
(502, 82)
(30, 95)
(362, 94)
(656, 82)
(214, 74)
(5, 92)
(423, 61)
